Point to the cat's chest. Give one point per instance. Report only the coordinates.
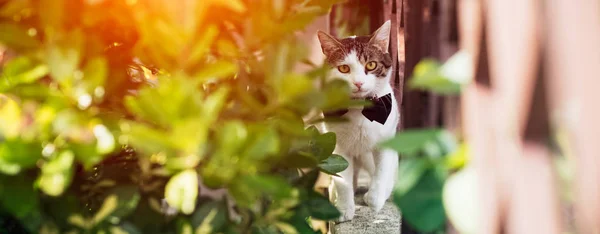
(359, 133)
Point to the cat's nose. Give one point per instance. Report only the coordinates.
(358, 84)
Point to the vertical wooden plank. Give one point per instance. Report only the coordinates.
(413, 101)
(574, 67)
(448, 46)
(391, 12)
(476, 111)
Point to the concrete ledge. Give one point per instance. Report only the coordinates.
(386, 221)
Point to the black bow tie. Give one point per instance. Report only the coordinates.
(379, 111)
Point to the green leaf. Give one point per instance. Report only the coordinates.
(10, 118)
(248, 189)
(216, 209)
(460, 200)
(182, 190)
(422, 205)
(16, 155)
(16, 36)
(214, 103)
(206, 227)
(63, 60)
(128, 199)
(323, 145)
(308, 180)
(202, 46)
(300, 160)
(412, 141)
(108, 206)
(21, 70)
(95, 73)
(184, 226)
(319, 207)
(105, 141)
(337, 95)
(219, 69)
(443, 79)
(300, 222)
(263, 143)
(18, 196)
(292, 86)
(459, 158)
(57, 174)
(333, 165)
(410, 171)
(458, 68)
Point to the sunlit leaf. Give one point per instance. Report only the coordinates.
(460, 200)
(108, 206)
(63, 61)
(105, 140)
(95, 73)
(10, 117)
(459, 158)
(206, 227)
(443, 79)
(57, 174)
(182, 190)
(219, 69)
(184, 226)
(458, 68)
(202, 46)
(292, 86)
(21, 70)
(216, 211)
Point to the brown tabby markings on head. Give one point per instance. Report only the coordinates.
(365, 51)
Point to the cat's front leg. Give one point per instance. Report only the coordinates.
(344, 192)
(382, 180)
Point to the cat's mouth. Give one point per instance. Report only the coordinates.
(360, 94)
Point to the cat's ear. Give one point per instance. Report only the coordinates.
(328, 43)
(381, 37)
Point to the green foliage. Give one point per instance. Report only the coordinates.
(427, 155)
(447, 78)
(108, 108)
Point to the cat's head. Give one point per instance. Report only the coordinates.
(363, 61)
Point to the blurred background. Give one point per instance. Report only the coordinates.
(156, 116)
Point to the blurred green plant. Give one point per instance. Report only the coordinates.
(428, 157)
(446, 79)
(431, 183)
(109, 107)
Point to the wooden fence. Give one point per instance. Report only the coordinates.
(533, 60)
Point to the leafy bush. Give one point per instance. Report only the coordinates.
(136, 116)
(430, 156)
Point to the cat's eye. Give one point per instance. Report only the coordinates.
(371, 66)
(344, 68)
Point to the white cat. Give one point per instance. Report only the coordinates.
(367, 66)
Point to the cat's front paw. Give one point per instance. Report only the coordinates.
(347, 213)
(374, 201)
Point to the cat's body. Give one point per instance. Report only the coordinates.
(366, 65)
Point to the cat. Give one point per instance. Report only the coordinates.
(364, 62)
